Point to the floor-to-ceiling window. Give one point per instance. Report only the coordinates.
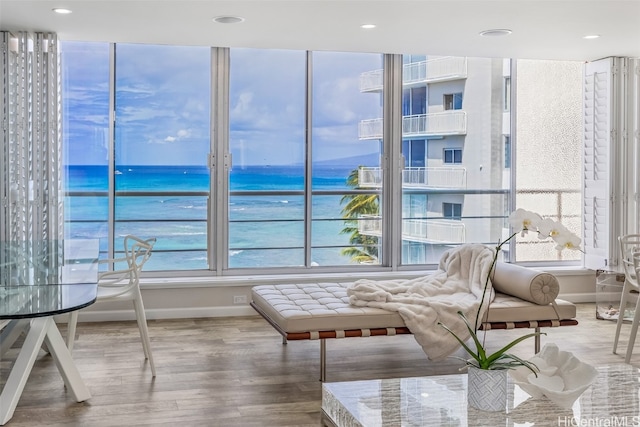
(85, 132)
(145, 174)
(458, 194)
(162, 142)
(549, 150)
(344, 200)
(304, 177)
(267, 142)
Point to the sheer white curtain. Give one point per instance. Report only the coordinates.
(31, 201)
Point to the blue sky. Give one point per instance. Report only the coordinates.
(163, 97)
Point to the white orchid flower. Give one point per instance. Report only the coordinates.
(524, 220)
(567, 240)
(550, 228)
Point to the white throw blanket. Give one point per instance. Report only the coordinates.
(457, 285)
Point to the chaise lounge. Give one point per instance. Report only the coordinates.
(525, 298)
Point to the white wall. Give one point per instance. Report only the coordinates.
(191, 298)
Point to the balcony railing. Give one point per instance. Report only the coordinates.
(433, 230)
(432, 70)
(418, 230)
(452, 122)
(370, 225)
(371, 81)
(370, 177)
(435, 177)
(431, 177)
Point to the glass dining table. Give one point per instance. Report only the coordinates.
(39, 280)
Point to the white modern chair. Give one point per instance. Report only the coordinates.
(124, 284)
(629, 252)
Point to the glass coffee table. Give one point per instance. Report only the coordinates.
(442, 401)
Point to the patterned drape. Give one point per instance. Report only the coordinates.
(31, 202)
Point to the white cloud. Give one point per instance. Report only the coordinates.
(180, 135)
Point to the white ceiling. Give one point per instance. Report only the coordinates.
(542, 29)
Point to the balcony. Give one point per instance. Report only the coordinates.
(451, 122)
(433, 230)
(431, 177)
(370, 177)
(441, 231)
(435, 177)
(418, 73)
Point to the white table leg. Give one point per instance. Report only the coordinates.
(22, 368)
(64, 361)
(43, 329)
(11, 332)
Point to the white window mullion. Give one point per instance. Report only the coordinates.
(392, 163)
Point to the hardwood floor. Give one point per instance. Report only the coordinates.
(236, 372)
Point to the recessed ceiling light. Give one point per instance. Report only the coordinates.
(367, 26)
(62, 11)
(496, 32)
(228, 19)
(591, 36)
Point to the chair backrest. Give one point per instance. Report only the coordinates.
(629, 246)
(138, 252)
(636, 264)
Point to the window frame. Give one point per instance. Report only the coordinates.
(455, 153)
(220, 163)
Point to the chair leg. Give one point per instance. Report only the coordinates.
(71, 330)
(144, 331)
(634, 331)
(623, 306)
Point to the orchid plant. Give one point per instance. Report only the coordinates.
(524, 222)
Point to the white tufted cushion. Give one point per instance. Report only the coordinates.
(318, 307)
(325, 307)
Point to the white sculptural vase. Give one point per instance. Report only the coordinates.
(487, 389)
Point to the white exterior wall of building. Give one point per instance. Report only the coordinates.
(482, 101)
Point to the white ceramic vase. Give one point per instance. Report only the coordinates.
(487, 389)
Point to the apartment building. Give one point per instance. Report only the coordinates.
(455, 149)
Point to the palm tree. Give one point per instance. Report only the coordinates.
(365, 248)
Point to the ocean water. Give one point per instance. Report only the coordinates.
(264, 230)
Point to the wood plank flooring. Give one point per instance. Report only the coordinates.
(236, 372)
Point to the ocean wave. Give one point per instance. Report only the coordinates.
(232, 253)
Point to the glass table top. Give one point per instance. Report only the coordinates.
(442, 401)
(47, 277)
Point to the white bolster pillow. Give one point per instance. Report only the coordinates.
(525, 283)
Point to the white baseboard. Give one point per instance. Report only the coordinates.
(162, 313)
(579, 297)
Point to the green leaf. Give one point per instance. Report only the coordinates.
(500, 352)
(462, 343)
(482, 356)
